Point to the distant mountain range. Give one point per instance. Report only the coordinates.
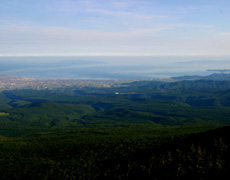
(215, 76)
(203, 62)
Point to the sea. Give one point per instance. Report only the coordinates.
(111, 67)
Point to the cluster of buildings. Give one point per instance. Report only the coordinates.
(13, 82)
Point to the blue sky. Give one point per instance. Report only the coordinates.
(114, 27)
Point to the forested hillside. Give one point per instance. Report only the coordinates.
(144, 129)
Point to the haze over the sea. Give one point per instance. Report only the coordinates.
(111, 67)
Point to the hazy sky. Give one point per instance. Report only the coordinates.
(114, 27)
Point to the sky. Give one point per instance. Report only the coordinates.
(114, 27)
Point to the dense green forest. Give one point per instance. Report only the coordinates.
(142, 129)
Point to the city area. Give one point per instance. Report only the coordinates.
(13, 82)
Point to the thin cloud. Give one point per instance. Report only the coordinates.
(71, 33)
(193, 25)
(136, 41)
(224, 34)
(127, 14)
(195, 8)
(113, 26)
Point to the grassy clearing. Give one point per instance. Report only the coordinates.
(4, 114)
